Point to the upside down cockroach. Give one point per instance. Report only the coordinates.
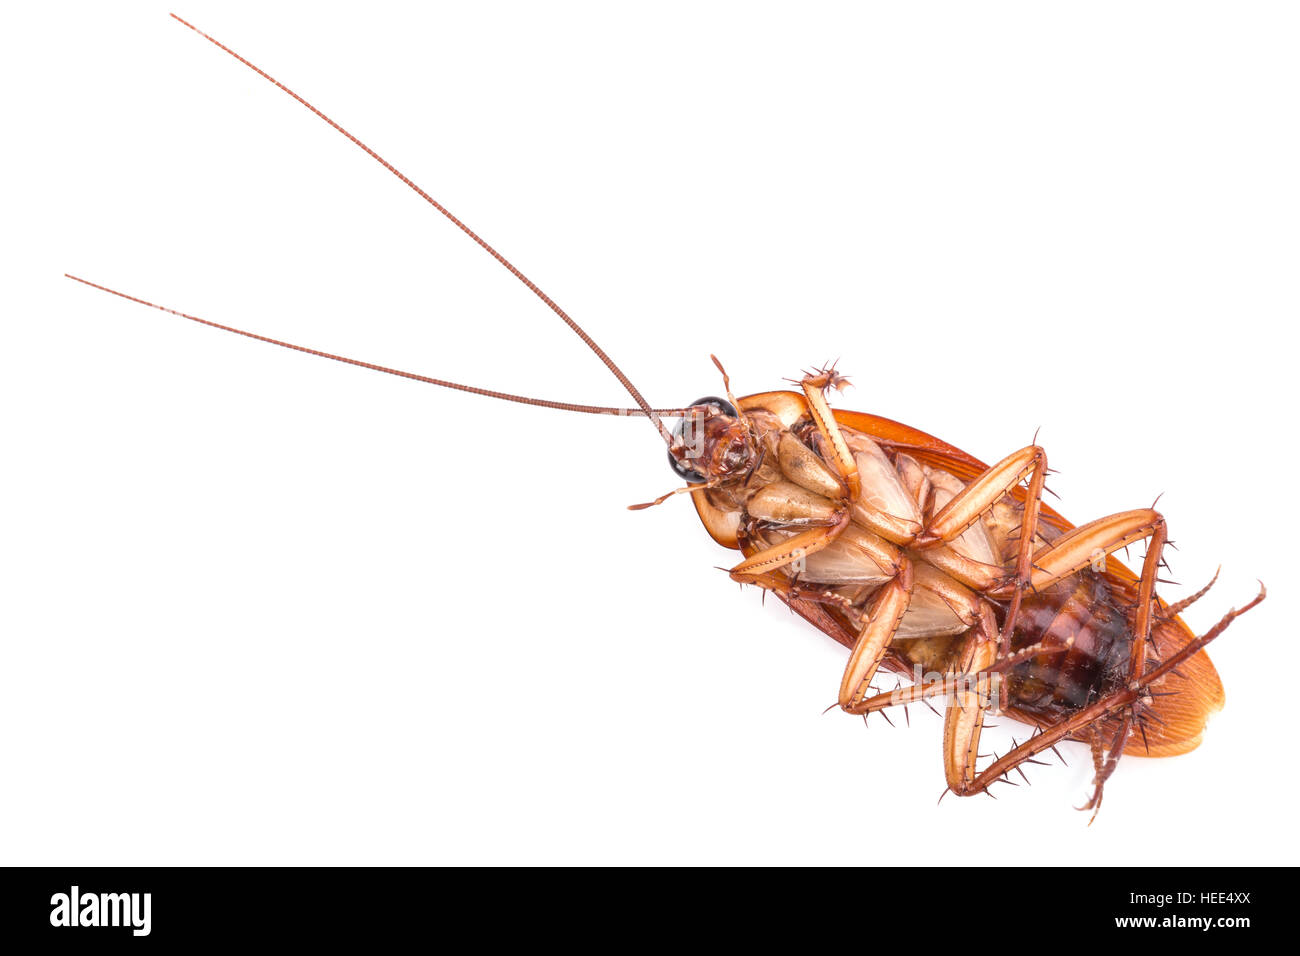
(921, 560)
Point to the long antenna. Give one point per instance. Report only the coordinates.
(618, 373)
(487, 392)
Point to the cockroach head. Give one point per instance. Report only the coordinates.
(712, 443)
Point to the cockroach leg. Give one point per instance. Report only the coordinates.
(1085, 720)
(1104, 761)
(1004, 664)
(961, 724)
(1079, 548)
(1178, 607)
(887, 610)
(814, 385)
(964, 720)
(944, 686)
(789, 589)
(789, 551)
(976, 575)
(1098, 752)
(977, 499)
(1104, 536)
(1107, 535)
(1076, 549)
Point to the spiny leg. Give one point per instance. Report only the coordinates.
(964, 720)
(1178, 607)
(1070, 554)
(971, 698)
(948, 684)
(789, 588)
(1089, 543)
(814, 385)
(1115, 702)
(887, 610)
(1131, 526)
(844, 463)
(1147, 607)
(977, 499)
(787, 552)
(888, 606)
(974, 612)
(1104, 761)
(1067, 556)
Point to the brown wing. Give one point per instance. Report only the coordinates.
(1180, 717)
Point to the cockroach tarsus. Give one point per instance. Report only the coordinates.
(920, 559)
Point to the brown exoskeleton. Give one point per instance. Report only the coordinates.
(926, 562)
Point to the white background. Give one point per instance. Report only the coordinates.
(259, 607)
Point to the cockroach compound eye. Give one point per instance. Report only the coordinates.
(690, 437)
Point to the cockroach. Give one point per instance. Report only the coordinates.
(919, 558)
